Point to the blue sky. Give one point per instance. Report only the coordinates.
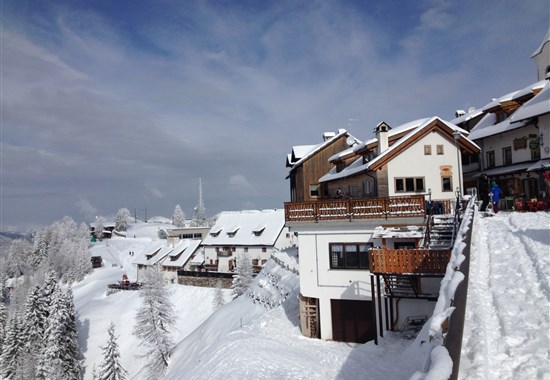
(110, 104)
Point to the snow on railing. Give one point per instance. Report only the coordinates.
(438, 363)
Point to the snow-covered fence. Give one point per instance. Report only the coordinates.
(447, 322)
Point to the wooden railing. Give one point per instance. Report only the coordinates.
(365, 208)
(401, 261)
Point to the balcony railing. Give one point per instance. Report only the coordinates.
(365, 208)
(409, 261)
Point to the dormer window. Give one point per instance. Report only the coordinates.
(501, 116)
(258, 231)
(215, 232)
(232, 231)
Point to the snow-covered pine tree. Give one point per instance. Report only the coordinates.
(111, 368)
(243, 275)
(10, 359)
(40, 247)
(218, 300)
(121, 219)
(60, 357)
(178, 219)
(154, 321)
(3, 323)
(99, 226)
(18, 260)
(33, 328)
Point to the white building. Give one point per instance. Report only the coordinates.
(252, 232)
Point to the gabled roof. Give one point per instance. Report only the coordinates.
(537, 106)
(394, 134)
(427, 125)
(319, 147)
(250, 227)
(181, 253)
(150, 249)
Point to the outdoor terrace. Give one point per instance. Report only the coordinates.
(409, 261)
(355, 209)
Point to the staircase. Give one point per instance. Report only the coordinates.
(401, 286)
(441, 231)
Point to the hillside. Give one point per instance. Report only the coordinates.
(248, 338)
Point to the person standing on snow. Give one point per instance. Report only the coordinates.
(484, 189)
(497, 193)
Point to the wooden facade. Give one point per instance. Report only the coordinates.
(308, 172)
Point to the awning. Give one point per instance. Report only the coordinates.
(542, 164)
(505, 169)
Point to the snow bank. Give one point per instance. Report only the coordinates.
(438, 363)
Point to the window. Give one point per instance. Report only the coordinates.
(491, 159)
(447, 183)
(314, 190)
(409, 184)
(507, 155)
(349, 255)
(427, 150)
(440, 150)
(264, 249)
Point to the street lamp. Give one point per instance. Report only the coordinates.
(456, 135)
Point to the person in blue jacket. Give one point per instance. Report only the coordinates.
(497, 193)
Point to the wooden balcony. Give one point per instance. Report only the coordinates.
(409, 261)
(353, 209)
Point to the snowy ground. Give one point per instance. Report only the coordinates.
(506, 335)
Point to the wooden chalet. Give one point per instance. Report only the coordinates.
(370, 236)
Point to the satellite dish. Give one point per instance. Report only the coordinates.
(471, 109)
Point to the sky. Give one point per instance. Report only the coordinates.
(112, 104)
(506, 331)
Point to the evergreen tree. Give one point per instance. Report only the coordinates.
(154, 320)
(99, 226)
(111, 368)
(60, 356)
(40, 248)
(18, 263)
(178, 219)
(33, 327)
(243, 275)
(219, 299)
(121, 219)
(10, 359)
(3, 324)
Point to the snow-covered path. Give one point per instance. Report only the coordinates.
(506, 333)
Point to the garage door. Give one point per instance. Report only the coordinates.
(352, 321)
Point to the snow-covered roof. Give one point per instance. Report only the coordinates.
(537, 106)
(415, 232)
(198, 259)
(154, 246)
(486, 129)
(181, 253)
(413, 127)
(249, 227)
(472, 113)
(392, 132)
(317, 148)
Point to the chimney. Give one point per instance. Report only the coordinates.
(382, 130)
(328, 135)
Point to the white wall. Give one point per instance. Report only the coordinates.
(497, 142)
(413, 163)
(317, 280)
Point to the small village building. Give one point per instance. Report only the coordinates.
(512, 131)
(252, 233)
(374, 202)
(177, 258)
